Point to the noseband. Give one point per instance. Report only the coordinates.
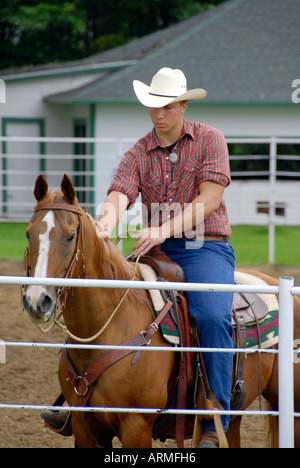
(79, 249)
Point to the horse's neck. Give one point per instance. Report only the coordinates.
(85, 309)
(88, 310)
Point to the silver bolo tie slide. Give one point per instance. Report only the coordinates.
(174, 158)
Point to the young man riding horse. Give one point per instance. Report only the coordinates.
(186, 164)
(181, 169)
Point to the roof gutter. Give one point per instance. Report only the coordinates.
(63, 71)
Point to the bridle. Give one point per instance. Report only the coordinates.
(62, 293)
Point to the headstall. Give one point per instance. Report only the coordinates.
(79, 249)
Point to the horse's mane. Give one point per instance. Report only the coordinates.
(108, 260)
(114, 266)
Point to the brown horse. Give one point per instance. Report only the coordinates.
(55, 250)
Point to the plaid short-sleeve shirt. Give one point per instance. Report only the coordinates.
(167, 187)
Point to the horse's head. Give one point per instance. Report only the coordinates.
(53, 238)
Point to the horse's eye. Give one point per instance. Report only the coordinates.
(71, 237)
(27, 235)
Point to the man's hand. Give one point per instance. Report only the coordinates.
(147, 239)
(102, 230)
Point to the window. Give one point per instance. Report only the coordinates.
(264, 207)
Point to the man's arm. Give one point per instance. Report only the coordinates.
(111, 213)
(206, 203)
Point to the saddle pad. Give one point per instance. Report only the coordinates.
(242, 277)
(268, 325)
(268, 332)
(167, 325)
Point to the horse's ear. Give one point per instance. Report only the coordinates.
(41, 188)
(68, 189)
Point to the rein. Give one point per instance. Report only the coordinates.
(62, 293)
(67, 332)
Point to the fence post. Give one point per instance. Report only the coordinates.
(2, 352)
(286, 363)
(272, 185)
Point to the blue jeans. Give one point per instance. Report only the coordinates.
(212, 262)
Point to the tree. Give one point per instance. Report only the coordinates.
(40, 33)
(37, 32)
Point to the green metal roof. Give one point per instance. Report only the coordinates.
(241, 52)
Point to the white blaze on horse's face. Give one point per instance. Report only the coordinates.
(37, 302)
(43, 257)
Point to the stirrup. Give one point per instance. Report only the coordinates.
(223, 442)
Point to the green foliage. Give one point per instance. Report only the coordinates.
(42, 33)
(250, 164)
(35, 32)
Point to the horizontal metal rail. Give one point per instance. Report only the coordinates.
(123, 284)
(181, 349)
(99, 409)
(286, 352)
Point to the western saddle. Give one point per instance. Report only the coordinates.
(192, 386)
(246, 308)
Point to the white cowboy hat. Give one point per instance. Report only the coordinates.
(167, 86)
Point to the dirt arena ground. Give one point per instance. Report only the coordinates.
(30, 375)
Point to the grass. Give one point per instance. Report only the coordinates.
(250, 244)
(12, 240)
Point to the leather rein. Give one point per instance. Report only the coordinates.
(83, 383)
(63, 292)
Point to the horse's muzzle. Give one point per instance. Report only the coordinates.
(39, 304)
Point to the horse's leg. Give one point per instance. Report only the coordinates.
(297, 433)
(234, 432)
(274, 432)
(136, 431)
(84, 438)
(271, 396)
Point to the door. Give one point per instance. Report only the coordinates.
(22, 161)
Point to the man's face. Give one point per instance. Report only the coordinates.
(165, 119)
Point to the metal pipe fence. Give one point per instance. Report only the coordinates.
(92, 162)
(286, 353)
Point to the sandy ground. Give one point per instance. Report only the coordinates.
(29, 375)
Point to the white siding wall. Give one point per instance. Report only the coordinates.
(235, 121)
(242, 197)
(250, 120)
(24, 101)
(114, 121)
(25, 98)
